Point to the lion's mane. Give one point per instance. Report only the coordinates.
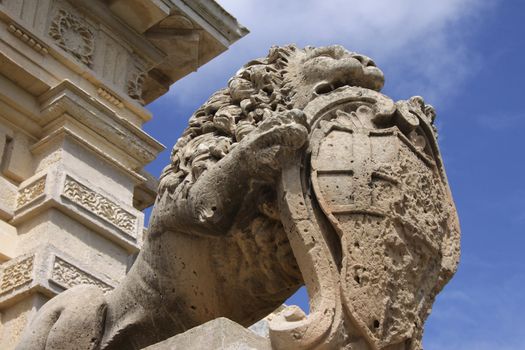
(257, 90)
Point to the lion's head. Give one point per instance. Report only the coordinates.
(287, 78)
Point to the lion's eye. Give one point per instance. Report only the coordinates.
(323, 52)
(327, 54)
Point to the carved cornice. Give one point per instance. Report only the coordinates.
(220, 19)
(64, 132)
(84, 36)
(121, 30)
(67, 98)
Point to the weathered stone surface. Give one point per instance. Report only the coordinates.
(262, 327)
(74, 76)
(299, 172)
(219, 334)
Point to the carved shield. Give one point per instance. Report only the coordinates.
(387, 201)
(371, 222)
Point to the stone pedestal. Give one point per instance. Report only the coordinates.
(219, 334)
(74, 78)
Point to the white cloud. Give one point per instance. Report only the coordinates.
(420, 44)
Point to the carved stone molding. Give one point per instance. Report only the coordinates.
(110, 97)
(100, 206)
(67, 98)
(68, 276)
(74, 36)
(16, 274)
(28, 39)
(31, 192)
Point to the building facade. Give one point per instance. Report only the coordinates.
(74, 78)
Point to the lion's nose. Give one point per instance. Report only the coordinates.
(365, 61)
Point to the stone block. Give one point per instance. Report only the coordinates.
(17, 161)
(7, 241)
(220, 333)
(8, 192)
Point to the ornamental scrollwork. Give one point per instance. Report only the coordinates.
(31, 192)
(16, 274)
(69, 276)
(99, 205)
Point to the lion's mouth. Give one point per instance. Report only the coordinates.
(326, 87)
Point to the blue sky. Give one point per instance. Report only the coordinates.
(466, 58)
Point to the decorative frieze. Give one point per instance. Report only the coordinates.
(28, 39)
(16, 274)
(74, 36)
(48, 269)
(31, 192)
(99, 205)
(110, 97)
(68, 276)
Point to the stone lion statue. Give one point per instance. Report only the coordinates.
(299, 172)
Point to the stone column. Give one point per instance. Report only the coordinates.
(74, 78)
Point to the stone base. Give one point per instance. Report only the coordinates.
(220, 333)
